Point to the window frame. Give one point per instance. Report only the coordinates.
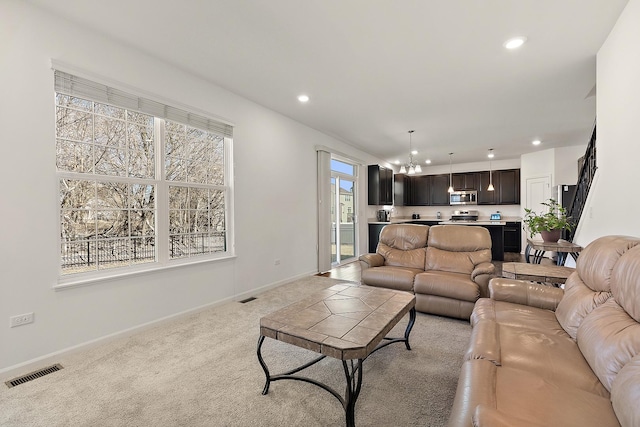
(163, 259)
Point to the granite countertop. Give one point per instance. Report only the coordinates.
(480, 221)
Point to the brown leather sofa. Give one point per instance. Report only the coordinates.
(543, 356)
(448, 267)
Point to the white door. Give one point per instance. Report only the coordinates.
(538, 191)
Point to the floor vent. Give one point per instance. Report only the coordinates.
(33, 375)
(244, 301)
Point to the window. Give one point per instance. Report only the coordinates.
(137, 189)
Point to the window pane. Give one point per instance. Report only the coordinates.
(74, 156)
(110, 161)
(143, 250)
(78, 257)
(109, 111)
(142, 196)
(110, 132)
(143, 223)
(112, 223)
(74, 125)
(343, 167)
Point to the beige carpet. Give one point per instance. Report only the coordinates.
(202, 370)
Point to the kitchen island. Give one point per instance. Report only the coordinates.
(499, 240)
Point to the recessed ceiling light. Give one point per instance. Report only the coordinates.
(397, 162)
(515, 42)
(428, 161)
(303, 98)
(414, 152)
(536, 142)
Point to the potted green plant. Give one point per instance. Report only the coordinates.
(549, 224)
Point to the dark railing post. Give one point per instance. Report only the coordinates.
(88, 253)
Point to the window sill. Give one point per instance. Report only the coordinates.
(75, 282)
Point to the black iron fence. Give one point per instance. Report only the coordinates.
(88, 254)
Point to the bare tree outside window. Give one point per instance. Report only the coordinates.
(106, 159)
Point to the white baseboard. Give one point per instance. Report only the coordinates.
(53, 358)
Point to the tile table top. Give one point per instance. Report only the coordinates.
(344, 321)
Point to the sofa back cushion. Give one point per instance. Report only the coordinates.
(457, 248)
(625, 394)
(596, 262)
(590, 285)
(403, 245)
(609, 337)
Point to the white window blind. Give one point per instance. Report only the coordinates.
(77, 86)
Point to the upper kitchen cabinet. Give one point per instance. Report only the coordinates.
(439, 194)
(508, 186)
(380, 185)
(486, 197)
(420, 194)
(401, 190)
(465, 181)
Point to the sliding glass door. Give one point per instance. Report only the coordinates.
(343, 212)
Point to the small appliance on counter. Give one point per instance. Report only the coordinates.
(496, 216)
(383, 215)
(470, 215)
(415, 216)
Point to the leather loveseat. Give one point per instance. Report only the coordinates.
(448, 267)
(543, 356)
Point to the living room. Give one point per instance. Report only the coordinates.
(269, 202)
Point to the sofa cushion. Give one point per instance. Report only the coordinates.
(609, 338)
(524, 395)
(625, 393)
(596, 262)
(447, 284)
(518, 315)
(578, 301)
(625, 285)
(553, 356)
(457, 248)
(398, 278)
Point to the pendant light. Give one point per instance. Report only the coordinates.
(490, 155)
(412, 167)
(450, 190)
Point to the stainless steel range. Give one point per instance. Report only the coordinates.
(468, 215)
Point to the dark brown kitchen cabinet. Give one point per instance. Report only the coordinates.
(513, 236)
(380, 185)
(374, 236)
(420, 190)
(439, 186)
(402, 190)
(508, 186)
(465, 181)
(486, 197)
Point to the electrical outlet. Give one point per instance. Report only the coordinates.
(20, 320)
(276, 262)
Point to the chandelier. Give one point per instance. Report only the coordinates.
(411, 167)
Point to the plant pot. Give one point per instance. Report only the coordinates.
(551, 236)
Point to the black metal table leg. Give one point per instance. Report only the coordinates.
(354, 384)
(412, 320)
(265, 390)
(527, 251)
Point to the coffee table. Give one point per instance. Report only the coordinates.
(553, 274)
(346, 322)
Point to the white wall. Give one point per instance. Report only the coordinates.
(612, 206)
(275, 193)
(566, 163)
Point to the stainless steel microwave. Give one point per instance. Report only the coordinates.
(463, 198)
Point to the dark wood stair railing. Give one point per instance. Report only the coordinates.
(585, 178)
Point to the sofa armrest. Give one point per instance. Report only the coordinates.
(371, 260)
(483, 268)
(481, 275)
(525, 293)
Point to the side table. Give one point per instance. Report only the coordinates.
(552, 274)
(562, 247)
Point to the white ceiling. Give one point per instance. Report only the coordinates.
(376, 68)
